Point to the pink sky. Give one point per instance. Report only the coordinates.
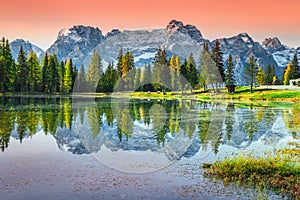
(40, 20)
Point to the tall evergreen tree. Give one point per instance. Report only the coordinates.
(177, 75)
(173, 72)
(80, 80)
(184, 75)
(45, 73)
(209, 73)
(53, 74)
(8, 73)
(192, 75)
(68, 77)
(35, 72)
(161, 72)
(250, 72)
(110, 78)
(295, 71)
(61, 73)
(269, 75)
(146, 78)
(95, 72)
(137, 79)
(230, 72)
(119, 62)
(22, 72)
(217, 57)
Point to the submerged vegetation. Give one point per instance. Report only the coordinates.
(280, 172)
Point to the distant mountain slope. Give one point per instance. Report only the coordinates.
(76, 43)
(27, 46)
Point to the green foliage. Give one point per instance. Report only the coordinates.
(22, 81)
(192, 75)
(110, 78)
(218, 59)
(270, 73)
(209, 72)
(295, 71)
(279, 172)
(161, 71)
(68, 77)
(260, 76)
(229, 77)
(45, 73)
(94, 73)
(250, 72)
(35, 72)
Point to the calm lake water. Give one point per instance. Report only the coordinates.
(78, 148)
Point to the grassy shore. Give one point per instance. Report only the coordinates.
(242, 93)
(280, 172)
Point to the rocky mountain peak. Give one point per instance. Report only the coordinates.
(112, 33)
(272, 43)
(76, 42)
(188, 29)
(27, 46)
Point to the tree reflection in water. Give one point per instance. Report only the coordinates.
(208, 123)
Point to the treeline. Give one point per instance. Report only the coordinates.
(28, 75)
(164, 74)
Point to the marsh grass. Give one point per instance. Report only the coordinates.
(279, 172)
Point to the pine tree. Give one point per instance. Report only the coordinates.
(184, 75)
(53, 74)
(35, 72)
(295, 71)
(61, 73)
(45, 73)
(95, 72)
(287, 74)
(250, 72)
(137, 79)
(217, 57)
(192, 75)
(160, 70)
(22, 72)
(8, 73)
(110, 78)
(146, 78)
(173, 72)
(230, 72)
(80, 80)
(177, 75)
(119, 62)
(260, 76)
(209, 73)
(2, 73)
(68, 77)
(269, 75)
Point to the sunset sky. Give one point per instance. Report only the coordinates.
(40, 20)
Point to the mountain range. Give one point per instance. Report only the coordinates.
(78, 43)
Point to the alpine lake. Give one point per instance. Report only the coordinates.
(124, 148)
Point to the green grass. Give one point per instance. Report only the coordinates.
(280, 172)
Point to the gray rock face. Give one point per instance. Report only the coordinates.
(76, 43)
(79, 42)
(241, 48)
(273, 44)
(176, 38)
(281, 54)
(27, 46)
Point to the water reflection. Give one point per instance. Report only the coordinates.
(175, 127)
